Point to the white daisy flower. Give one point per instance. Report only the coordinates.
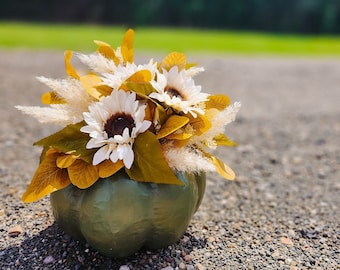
(178, 90)
(113, 124)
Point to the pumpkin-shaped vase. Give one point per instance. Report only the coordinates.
(118, 216)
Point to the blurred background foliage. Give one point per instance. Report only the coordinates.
(279, 16)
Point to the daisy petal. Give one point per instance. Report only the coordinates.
(102, 154)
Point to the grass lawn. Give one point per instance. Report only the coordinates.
(80, 37)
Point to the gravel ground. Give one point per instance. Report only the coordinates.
(281, 213)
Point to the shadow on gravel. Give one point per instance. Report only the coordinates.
(53, 249)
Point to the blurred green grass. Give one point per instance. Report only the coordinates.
(15, 35)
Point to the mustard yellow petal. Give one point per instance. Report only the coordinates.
(223, 169)
(89, 83)
(127, 46)
(219, 102)
(174, 59)
(107, 51)
(70, 70)
(51, 98)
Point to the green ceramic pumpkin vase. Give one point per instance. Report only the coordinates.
(118, 216)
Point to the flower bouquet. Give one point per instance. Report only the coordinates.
(127, 170)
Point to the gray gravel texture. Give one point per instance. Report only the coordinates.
(281, 212)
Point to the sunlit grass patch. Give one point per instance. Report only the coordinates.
(80, 37)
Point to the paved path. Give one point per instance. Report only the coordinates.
(281, 213)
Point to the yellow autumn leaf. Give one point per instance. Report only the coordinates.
(104, 90)
(180, 142)
(89, 83)
(200, 124)
(211, 113)
(173, 123)
(47, 179)
(70, 70)
(108, 168)
(160, 115)
(107, 51)
(222, 139)
(52, 98)
(179, 135)
(155, 113)
(174, 59)
(65, 160)
(127, 46)
(139, 82)
(150, 111)
(219, 102)
(83, 174)
(223, 169)
(140, 76)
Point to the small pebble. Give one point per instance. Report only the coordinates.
(182, 266)
(286, 241)
(292, 234)
(211, 239)
(275, 254)
(187, 258)
(190, 267)
(124, 267)
(200, 266)
(167, 268)
(15, 231)
(49, 260)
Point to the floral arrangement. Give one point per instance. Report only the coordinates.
(150, 120)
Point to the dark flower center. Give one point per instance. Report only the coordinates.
(117, 123)
(172, 92)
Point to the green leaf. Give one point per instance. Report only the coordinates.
(149, 164)
(70, 139)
